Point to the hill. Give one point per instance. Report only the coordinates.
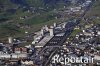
(18, 16)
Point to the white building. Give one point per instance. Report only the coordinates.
(10, 40)
(13, 55)
(51, 30)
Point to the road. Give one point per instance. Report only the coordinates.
(47, 52)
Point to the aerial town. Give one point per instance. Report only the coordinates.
(56, 43)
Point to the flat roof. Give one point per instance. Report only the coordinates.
(60, 34)
(43, 41)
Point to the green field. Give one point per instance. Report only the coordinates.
(95, 10)
(11, 24)
(75, 32)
